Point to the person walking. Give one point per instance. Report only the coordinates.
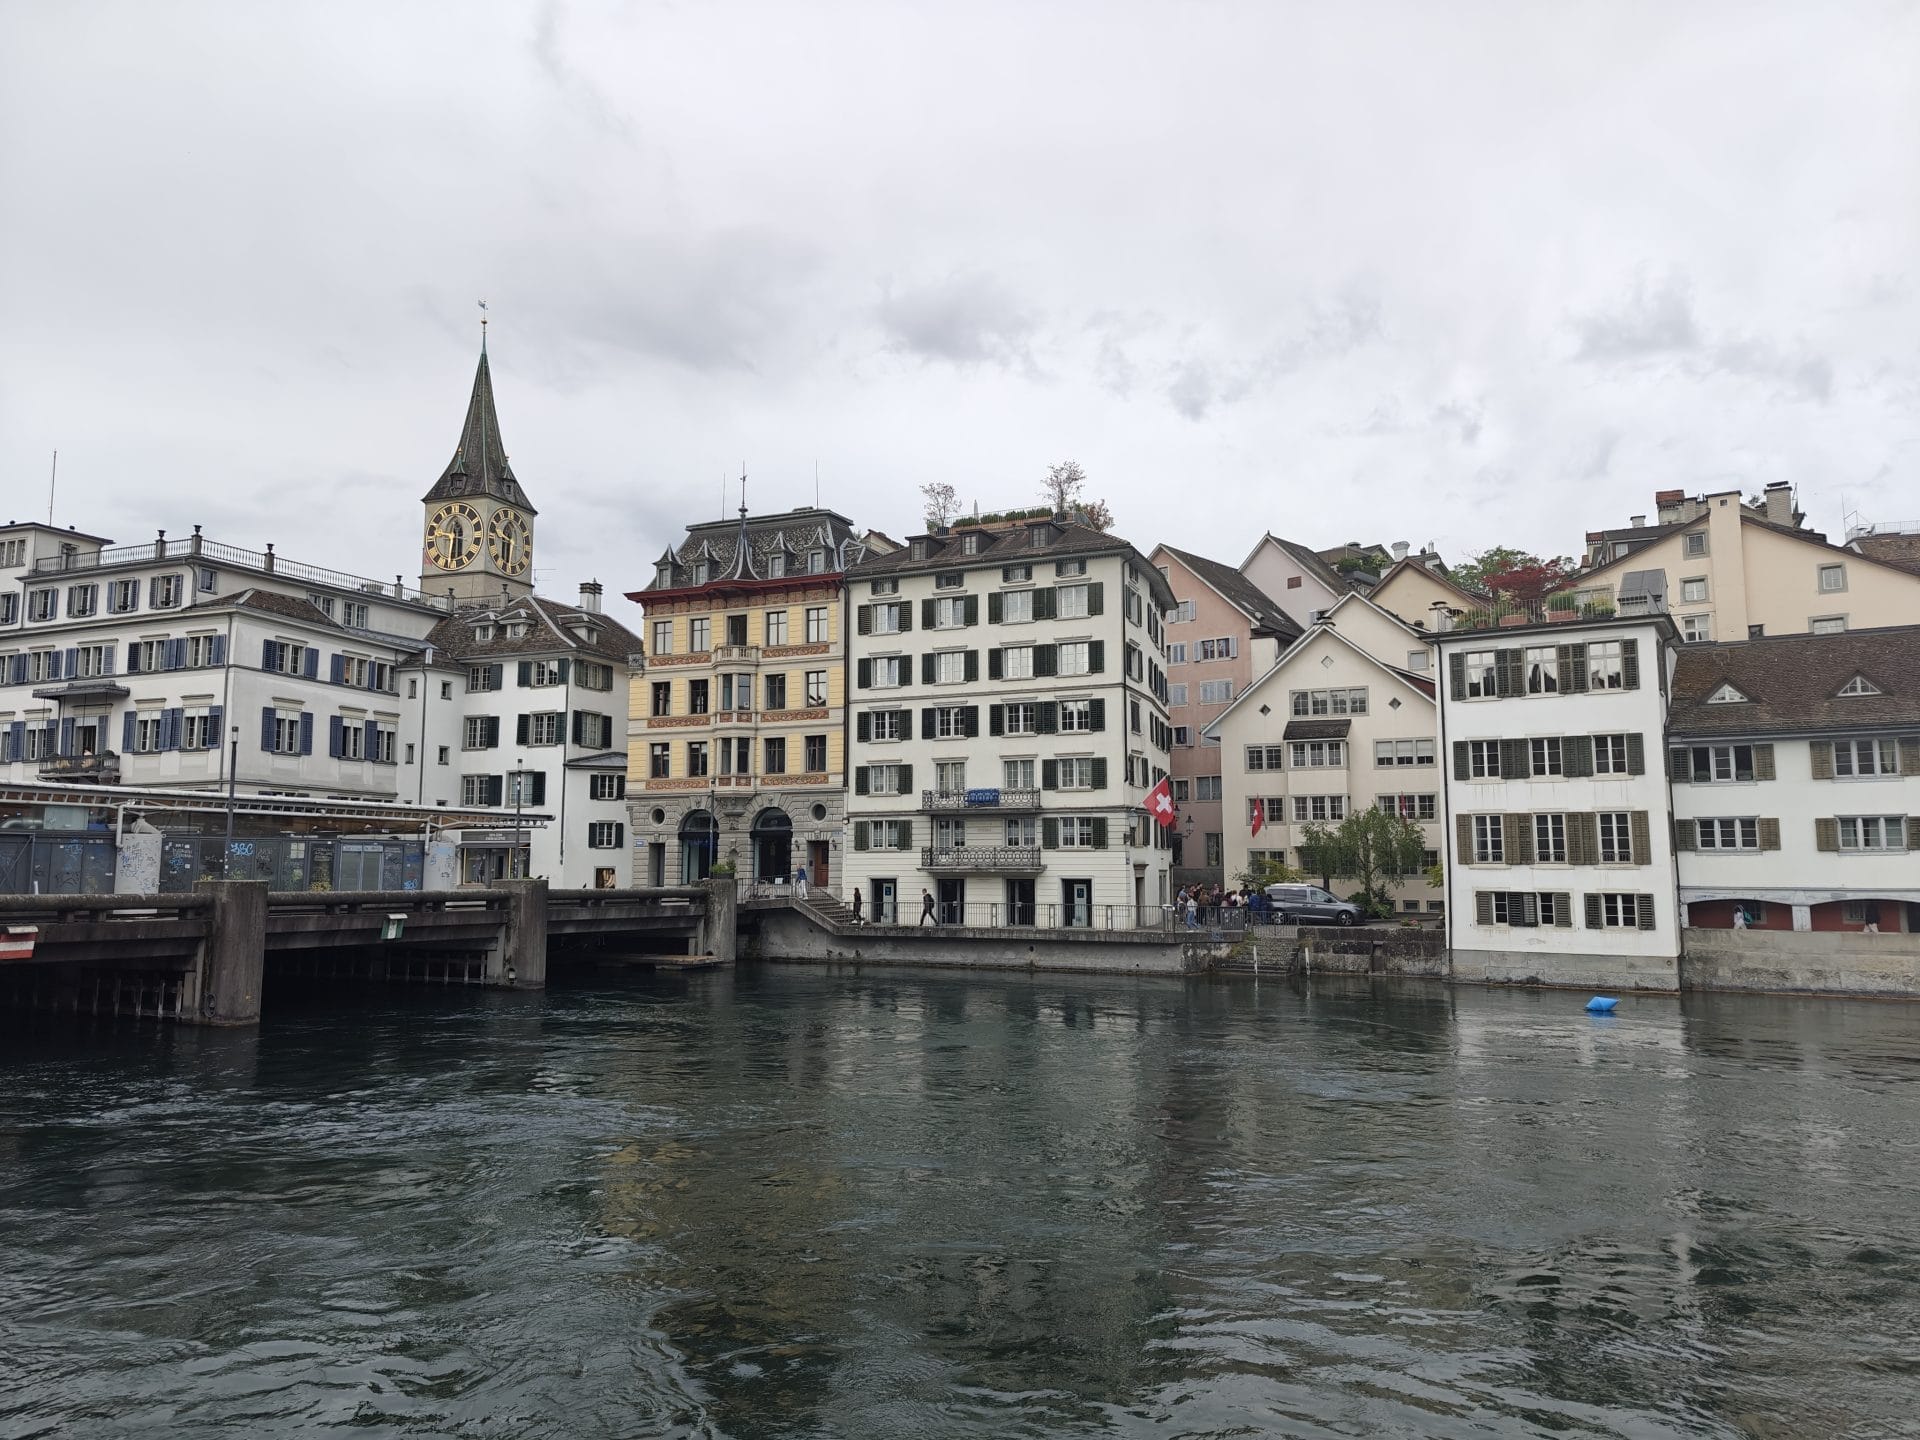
(856, 906)
(926, 909)
(1193, 911)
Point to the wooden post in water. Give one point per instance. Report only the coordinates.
(233, 957)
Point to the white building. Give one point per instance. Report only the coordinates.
(1344, 721)
(1560, 863)
(1796, 780)
(1008, 704)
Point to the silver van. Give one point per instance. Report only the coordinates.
(1310, 905)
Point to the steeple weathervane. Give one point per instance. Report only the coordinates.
(483, 327)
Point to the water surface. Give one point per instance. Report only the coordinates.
(792, 1202)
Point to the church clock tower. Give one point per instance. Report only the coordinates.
(479, 526)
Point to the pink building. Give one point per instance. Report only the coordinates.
(1225, 632)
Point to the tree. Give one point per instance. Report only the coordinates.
(1369, 846)
(942, 503)
(1514, 574)
(1065, 487)
(1261, 873)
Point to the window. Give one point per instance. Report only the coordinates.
(659, 760)
(1872, 832)
(483, 677)
(884, 671)
(1489, 840)
(1483, 759)
(480, 732)
(774, 755)
(699, 697)
(663, 637)
(443, 755)
(1183, 735)
(1545, 756)
(607, 787)
(1078, 773)
(1620, 912)
(1411, 807)
(1177, 653)
(1076, 832)
(546, 672)
(1022, 720)
(1266, 757)
(736, 694)
(1225, 648)
(1215, 692)
(1318, 754)
(1176, 694)
(479, 790)
(1206, 787)
(82, 600)
(92, 660)
(816, 625)
(1718, 764)
(887, 725)
(1016, 662)
(949, 667)
(1016, 574)
(736, 756)
(774, 692)
(1550, 839)
(1076, 715)
(1859, 685)
(1543, 670)
(816, 747)
(350, 743)
(1016, 607)
(886, 779)
(13, 553)
(701, 570)
(166, 591)
(1070, 567)
(285, 732)
(605, 835)
(149, 732)
(1833, 579)
(1693, 591)
(284, 658)
(950, 723)
(1696, 629)
(1616, 838)
(43, 665)
(1696, 544)
(817, 686)
(1329, 702)
(43, 604)
(1859, 758)
(1480, 666)
(1075, 657)
(1402, 752)
(1416, 660)
(1070, 602)
(1740, 833)
(696, 757)
(700, 634)
(1319, 807)
(1017, 774)
(661, 698)
(887, 619)
(776, 627)
(200, 731)
(1610, 755)
(207, 579)
(1606, 670)
(122, 596)
(1183, 613)
(9, 609)
(592, 730)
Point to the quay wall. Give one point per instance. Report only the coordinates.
(1809, 962)
(787, 935)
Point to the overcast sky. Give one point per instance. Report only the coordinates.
(1465, 273)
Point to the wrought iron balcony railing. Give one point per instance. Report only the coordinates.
(998, 859)
(980, 799)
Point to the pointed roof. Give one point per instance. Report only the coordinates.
(479, 465)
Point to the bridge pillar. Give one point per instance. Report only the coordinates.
(720, 926)
(233, 956)
(521, 961)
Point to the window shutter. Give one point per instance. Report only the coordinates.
(1576, 755)
(1045, 604)
(859, 834)
(1583, 838)
(1457, 677)
(971, 667)
(928, 611)
(996, 665)
(1630, 678)
(1049, 774)
(524, 674)
(1906, 831)
(1516, 760)
(1529, 908)
(1097, 714)
(1046, 660)
(1573, 669)
(1509, 673)
(1680, 764)
(906, 779)
(1100, 775)
(906, 617)
(520, 728)
(336, 669)
(1463, 839)
(863, 620)
(373, 741)
(860, 779)
(1642, 832)
(1769, 834)
(1096, 657)
(1516, 834)
(310, 663)
(863, 727)
(1820, 755)
(564, 667)
(267, 655)
(971, 610)
(1593, 912)
(537, 790)
(171, 724)
(306, 730)
(126, 735)
(863, 674)
(903, 834)
(492, 732)
(133, 655)
(1686, 834)
(996, 719)
(1096, 598)
(1099, 832)
(579, 726)
(971, 717)
(1047, 717)
(1636, 754)
(266, 730)
(993, 608)
(496, 677)
(1482, 903)
(926, 668)
(214, 717)
(1910, 755)
(175, 657)
(1643, 910)
(926, 723)
(219, 648)
(1826, 834)
(336, 733)
(496, 790)
(1462, 763)
(1049, 831)
(1763, 762)
(1563, 909)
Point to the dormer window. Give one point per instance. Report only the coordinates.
(483, 633)
(970, 543)
(663, 575)
(777, 564)
(1859, 685)
(816, 562)
(700, 572)
(919, 549)
(516, 632)
(1726, 694)
(1037, 536)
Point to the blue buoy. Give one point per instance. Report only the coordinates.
(1601, 1005)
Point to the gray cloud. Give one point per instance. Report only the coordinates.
(966, 319)
(1654, 321)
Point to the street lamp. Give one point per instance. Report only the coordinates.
(233, 766)
(519, 795)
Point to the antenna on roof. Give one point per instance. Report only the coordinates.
(816, 484)
(52, 480)
(483, 327)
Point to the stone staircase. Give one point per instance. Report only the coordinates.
(827, 908)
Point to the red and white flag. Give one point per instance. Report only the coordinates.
(1259, 815)
(1160, 804)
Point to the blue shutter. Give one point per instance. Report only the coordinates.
(335, 728)
(66, 735)
(53, 665)
(372, 750)
(266, 730)
(306, 731)
(170, 728)
(126, 734)
(133, 657)
(214, 730)
(565, 665)
(16, 740)
(267, 649)
(20, 669)
(133, 595)
(72, 663)
(338, 671)
(176, 656)
(526, 673)
(106, 664)
(219, 650)
(312, 663)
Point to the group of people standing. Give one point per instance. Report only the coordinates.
(1214, 906)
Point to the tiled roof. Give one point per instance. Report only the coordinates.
(793, 532)
(547, 631)
(1311, 562)
(1898, 550)
(1317, 729)
(1269, 617)
(1009, 545)
(1792, 684)
(274, 603)
(479, 465)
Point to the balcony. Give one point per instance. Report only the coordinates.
(736, 654)
(101, 769)
(977, 859)
(981, 799)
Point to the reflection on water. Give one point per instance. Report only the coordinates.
(792, 1202)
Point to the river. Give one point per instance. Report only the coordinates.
(795, 1202)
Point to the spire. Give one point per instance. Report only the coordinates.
(479, 465)
(742, 551)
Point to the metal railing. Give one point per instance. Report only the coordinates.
(996, 858)
(1553, 611)
(104, 767)
(1038, 916)
(204, 552)
(980, 799)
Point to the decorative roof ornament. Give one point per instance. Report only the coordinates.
(742, 550)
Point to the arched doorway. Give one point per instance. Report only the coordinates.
(772, 845)
(699, 837)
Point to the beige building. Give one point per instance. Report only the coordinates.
(1735, 571)
(1415, 589)
(1344, 721)
(1222, 631)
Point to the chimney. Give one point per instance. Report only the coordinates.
(1779, 502)
(1639, 522)
(1400, 548)
(590, 596)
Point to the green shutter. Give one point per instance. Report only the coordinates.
(906, 779)
(860, 779)
(1910, 754)
(1457, 672)
(926, 723)
(1516, 835)
(1096, 657)
(1100, 774)
(1573, 669)
(996, 717)
(1045, 604)
(993, 608)
(863, 674)
(903, 834)
(972, 610)
(972, 666)
(1576, 755)
(1636, 754)
(1516, 761)
(928, 611)
(1583, 838)
(1097, 715)
(996, 665)
(1049, 774)
(863, 620)
(1642, 832)
(1096, 598)
(1482, 903)
(1643, 910)
(863, 727)
(1630, 673)
(1462, 761)
(1680, 764)
(1463, 839)
(1100, 830)
(1686, 834)
(1047, 718)
(1049, 833)
(1593, 912)
(1509, 672)
(859, 834)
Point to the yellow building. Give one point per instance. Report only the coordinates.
(736, 747)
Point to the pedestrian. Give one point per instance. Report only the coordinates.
(800, 880)
(1193, 912)
(856, 907)
(926, 909)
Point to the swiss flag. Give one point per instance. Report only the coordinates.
(1160, 804)
(1259, 815)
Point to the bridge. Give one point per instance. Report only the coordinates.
(205, 957)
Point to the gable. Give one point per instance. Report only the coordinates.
(1727, 694)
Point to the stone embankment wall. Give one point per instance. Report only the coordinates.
(1830, 962)
(790, 936)
(1328, 950)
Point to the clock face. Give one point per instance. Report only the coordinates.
(453, 536)
(510, 541)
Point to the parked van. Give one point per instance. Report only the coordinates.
(1310, 905)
